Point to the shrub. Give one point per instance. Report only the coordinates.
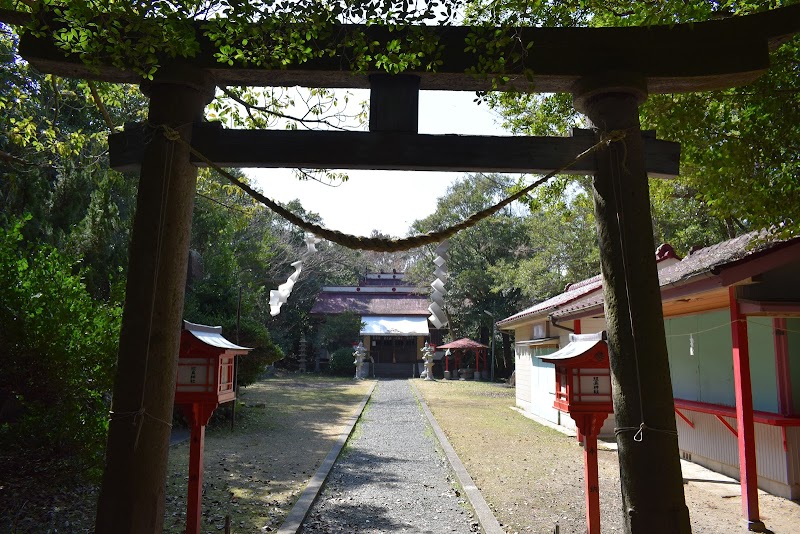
(341, 362)
(338, 330)
(59, 350)
(251, 367)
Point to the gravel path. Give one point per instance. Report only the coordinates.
(391, 477)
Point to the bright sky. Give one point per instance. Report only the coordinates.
(388, 201)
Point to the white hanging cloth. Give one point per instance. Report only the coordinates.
(278, 297)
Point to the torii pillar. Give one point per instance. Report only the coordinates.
(132, 493)
(641, 384)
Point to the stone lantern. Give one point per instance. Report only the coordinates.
(359, 354)
(302, 361)
(427, 357)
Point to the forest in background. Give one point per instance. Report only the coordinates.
(66, 219)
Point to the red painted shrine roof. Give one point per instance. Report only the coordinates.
(371, 304)
(718, 265)
(377, 294)
(463, 343)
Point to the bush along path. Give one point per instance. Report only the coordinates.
(391, 476)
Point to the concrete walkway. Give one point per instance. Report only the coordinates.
(394, 475)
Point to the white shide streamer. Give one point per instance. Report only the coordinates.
(438, 317)
(278, 297)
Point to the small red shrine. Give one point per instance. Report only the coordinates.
(583, 390)
(583, 379)
(205, 379)
(459, 347)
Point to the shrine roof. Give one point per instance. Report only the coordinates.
(371, 304)
(719, 265)
(573, 292)
(715, 257)
(211, 335)
(577, 348)
(463, 343)
(585, 293)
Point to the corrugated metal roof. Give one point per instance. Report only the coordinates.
(579, 344)
(590, 301)
(211, 335)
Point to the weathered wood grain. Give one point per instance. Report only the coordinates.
(389, 151)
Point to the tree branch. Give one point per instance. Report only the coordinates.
(10, 158)
(99, 103)
(15, 18)
(274, 113)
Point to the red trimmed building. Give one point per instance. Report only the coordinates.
(732, 322)
(394, 317)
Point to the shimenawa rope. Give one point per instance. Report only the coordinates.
(382, 244)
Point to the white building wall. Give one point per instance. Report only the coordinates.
(522, 374)
(543, 383)
(592, 325)
(712, 445)
(536, 380)
(522, 371)
(793, 461)
(709, 443)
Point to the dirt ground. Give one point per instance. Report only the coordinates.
(286, 428)
(531, 475)
(283, 432)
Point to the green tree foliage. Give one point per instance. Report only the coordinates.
(561, 245)
(341, 362)
(337, 331)
(63, 270)
(473, 285)
(383, 262)
(246, 250)
(232, 236)
(562, 236)
(59, 346)
(53, 164)
(739, 146)
(146, 36)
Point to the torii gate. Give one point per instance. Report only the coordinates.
(609, 72)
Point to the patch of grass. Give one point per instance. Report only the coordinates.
(285, 426)
(530, 475)
(256, 473)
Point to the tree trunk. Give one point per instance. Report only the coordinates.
(132, 492)
(650, 472)
(508, 355)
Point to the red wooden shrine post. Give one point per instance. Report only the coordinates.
(205, 380)
(745, 435)
(583, 390)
